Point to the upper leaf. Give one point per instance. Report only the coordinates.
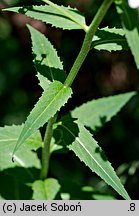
(96, 112)
(129, 19)
(45, 190)
(24, 157)
(55, 96)
(110, 39)
(46, 60)
(87, 149)
(58, 16)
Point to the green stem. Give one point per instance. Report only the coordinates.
(87, 41)
(73, 72)
(46, 148)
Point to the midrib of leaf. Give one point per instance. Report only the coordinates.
(84, 27)
(40, 115)
(6, 140)
(91, 155)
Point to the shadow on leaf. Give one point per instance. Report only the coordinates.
(50, 73)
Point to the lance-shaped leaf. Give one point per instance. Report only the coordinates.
(110, 39)
(96, 112)
(45, 190)
(58, 16)
(55, 96)
(130, 25)
(24, 157)
(46, 60)
(87, 149)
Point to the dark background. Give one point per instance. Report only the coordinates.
(102, 74)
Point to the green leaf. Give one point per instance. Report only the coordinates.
(103, 197)
(46, 60)
(24, 157)
(43, 81)
(96, 112)
(58, 16)
(130, 25)
(55, 96)
(110, 39)
(87, 149)
(1, 198)
(45, 190)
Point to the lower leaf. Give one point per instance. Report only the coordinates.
(45, 190)
(87, 149)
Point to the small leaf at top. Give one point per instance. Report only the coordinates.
(97, 112)
(55, 96)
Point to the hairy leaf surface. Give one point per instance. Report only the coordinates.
(45, 190)
(87, 149)
(24, 157)
(96, 112)
(129, 19)
(58, 16)
(55, 96)
(110, 39)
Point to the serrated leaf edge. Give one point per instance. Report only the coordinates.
(21, 140)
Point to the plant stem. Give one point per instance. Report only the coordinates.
(46, 148)
(68, 82)
(87, 41)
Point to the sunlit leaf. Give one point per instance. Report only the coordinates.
(24, 157)
(46, 60)
(58, 16)
(87, 149)
(55, 96)
(45, 190)
(97, 112)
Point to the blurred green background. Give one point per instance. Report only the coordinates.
(102, 74)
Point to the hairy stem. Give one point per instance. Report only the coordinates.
(87, 41)
(46, 148)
